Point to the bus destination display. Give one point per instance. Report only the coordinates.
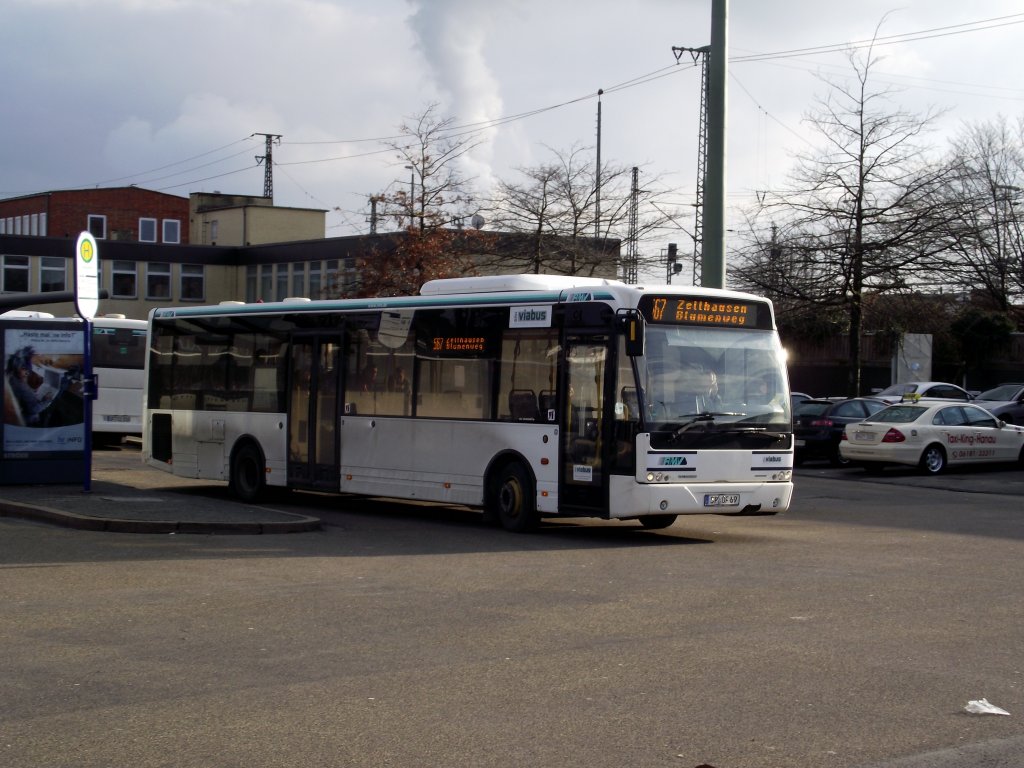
(694, 310)
(459, 344)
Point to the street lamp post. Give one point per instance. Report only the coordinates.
(412, 193)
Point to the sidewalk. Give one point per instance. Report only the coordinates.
(126, 496)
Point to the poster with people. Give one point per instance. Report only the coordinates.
(43, 405)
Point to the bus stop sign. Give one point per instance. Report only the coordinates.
(87, 270)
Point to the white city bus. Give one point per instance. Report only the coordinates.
(118, 363)
(529, 396)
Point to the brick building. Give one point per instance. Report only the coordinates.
(229, 248)
(113, 213)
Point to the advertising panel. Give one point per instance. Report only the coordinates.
(44, 408)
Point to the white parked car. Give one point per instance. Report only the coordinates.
(931, 435)
(927, 390)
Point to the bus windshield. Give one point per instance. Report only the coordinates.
(715, 375)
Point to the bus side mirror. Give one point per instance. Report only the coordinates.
(631, 325)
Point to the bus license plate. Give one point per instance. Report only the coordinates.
(721, 499)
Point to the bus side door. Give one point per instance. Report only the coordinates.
(584, 474)
(314, 371)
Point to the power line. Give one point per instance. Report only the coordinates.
(668, 71)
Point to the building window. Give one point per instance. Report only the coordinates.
(147, 230)
(193, 282)
(42, 224)
(332, 280)
(314, 280)
(282, 282)
(97, 226)
(214, 231)
(298, 279)
(53, 271)
(172, 231)
(34, 226)
(266, 283)
(124, 280)
(251, 283)
(15, 274)
(158, 280)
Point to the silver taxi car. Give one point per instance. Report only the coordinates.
(931, 435)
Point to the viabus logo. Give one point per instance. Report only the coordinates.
(673, 461)
(530, 317)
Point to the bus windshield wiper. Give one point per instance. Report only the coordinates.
(695, 418)
(709, 416)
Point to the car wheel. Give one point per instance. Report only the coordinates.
(933, 460)
(837, 460)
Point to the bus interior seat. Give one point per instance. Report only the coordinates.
(522, 405)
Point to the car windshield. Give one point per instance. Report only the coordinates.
(731, 374)
(1002, 392)
(900, 414)
(897, 389)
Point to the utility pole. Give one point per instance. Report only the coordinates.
(268, 162)
(597, 174)
(712, 267)
(632, 257)
(709, 229)
(703, 55)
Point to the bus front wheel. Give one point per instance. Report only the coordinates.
(656, 522)
(514, 500)
(248, 473)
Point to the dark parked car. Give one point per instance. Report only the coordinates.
(795, 398)
(1005, 402)
(818, 425)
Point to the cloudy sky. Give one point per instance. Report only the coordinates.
(168, 94)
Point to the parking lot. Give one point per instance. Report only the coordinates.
(850, 631)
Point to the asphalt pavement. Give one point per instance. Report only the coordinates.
(127, 496)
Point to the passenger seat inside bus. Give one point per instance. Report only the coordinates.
(522, 405)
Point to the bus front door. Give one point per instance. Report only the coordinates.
(313, 395)
(584, 476)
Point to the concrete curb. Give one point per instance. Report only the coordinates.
(297, 523)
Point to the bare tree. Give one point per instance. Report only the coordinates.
(555, 204)
(982, 225)
(861, 214)
(430, 151)
(432, 245)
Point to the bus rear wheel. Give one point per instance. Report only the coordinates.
(513, 499)
(248, 473)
